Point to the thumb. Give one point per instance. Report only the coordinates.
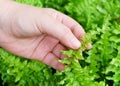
(58, 30)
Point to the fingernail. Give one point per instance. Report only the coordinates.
(75, 43)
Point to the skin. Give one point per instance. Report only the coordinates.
(37, 33)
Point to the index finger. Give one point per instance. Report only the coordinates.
(74, 26)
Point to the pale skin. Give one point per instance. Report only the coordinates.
(38, 33)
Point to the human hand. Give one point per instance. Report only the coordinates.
(38, 33)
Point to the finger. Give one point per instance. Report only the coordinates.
(61, 32)
(44, 47)
(67, 21)
(75, 27)
(52, 60)
(72, 24)
(58, 51)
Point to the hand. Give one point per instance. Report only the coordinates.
(38, 33)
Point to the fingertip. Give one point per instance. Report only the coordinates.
(89, 46)
(60, 67)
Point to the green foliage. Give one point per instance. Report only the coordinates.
(22, 72)
(99, 66)
(91, 13)
(75, 74)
